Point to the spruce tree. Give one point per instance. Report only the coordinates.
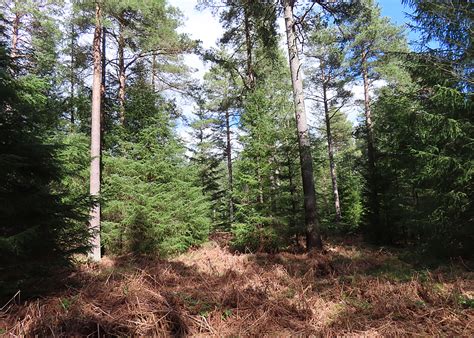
(41, 224)
(207, 157)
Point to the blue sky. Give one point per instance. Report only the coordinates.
(393, 9)
(397, 13)
(204, 26)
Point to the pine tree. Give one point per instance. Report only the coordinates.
(313, 237)
(328, 77)
(34, 36)
(376, 42)
(134, 29)
(95, 175)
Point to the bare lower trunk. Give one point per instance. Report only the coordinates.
(102, 96)
(229, 166)
(332, 163)
(121, 66)
(373, 198)
(95, 139)
(103, 74)
(292, 192)
(72, 79)
(313, 238)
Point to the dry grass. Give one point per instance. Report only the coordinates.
(209, 291)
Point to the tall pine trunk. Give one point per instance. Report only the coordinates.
(372, 175)
(332, 163)
(72, 79)
(229, 165)
(121, 69)
(313, 238)
(96, 138)
(248, 44)
(15, 40)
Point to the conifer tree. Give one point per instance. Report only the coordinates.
(153, 198)
(423, 129)
(40, 224)
(313, 237)
(146, 31)
(222, 89)
(208, 158)
(328, 77)
(95, 175)
(376, 42)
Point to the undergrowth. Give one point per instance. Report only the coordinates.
(350, 289)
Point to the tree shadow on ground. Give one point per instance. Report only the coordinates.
(349, 289)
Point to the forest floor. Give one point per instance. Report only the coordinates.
(350, 290)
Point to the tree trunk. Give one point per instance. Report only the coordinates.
(248, 44)
(72, 79)
(102, 96)
(153, 72)
(261, 199)
(273, 183)
(103, 73)
(96, 138)
(121, 66)
(332, 163)
(15, 33)
(373, 198)
(15, 40)
(313, 238)
(292, 189)
(229, 165)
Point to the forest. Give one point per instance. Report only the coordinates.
(312, 176)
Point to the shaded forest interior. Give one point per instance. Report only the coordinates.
(315, 175)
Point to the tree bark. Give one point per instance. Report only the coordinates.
(292, 189)
(72, 79)
(332, 163)
(248, 44)
(16, 28)
(96, 138)
(121, 66)
(229, 165)
(313, 238)
(373, 196)
(15, 39)
(153, 72)
(102, 95)
(103, 74)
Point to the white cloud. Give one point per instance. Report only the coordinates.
(203, 26)
(199, 25)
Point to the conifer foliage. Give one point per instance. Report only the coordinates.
(41, 223)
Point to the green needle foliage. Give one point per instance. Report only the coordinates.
(153, 202)
(41, 223)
